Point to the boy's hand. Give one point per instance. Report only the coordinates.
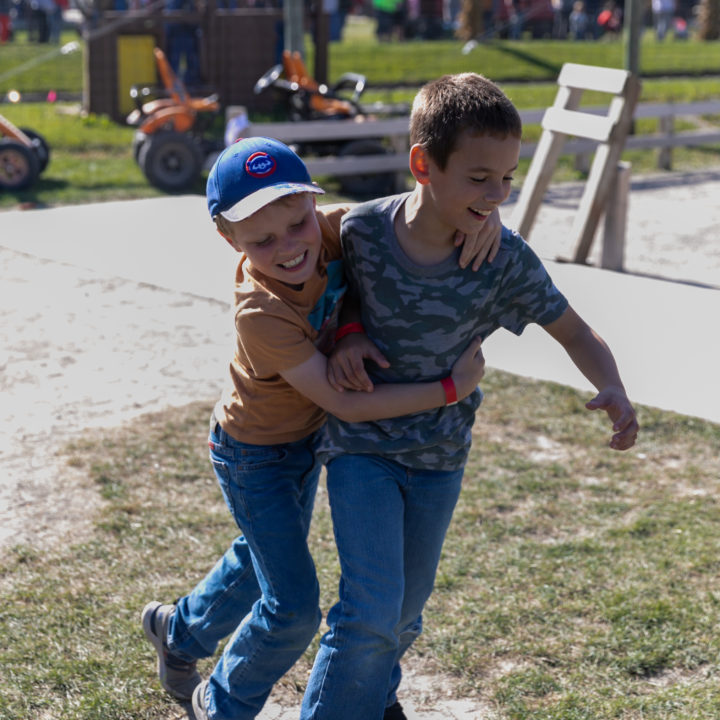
(468, 369)
(346, 364)
(484, 245)
(625, 425)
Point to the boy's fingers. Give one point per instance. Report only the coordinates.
(596, 403)
(489, 254)
(333, 380)
(493, 252)
(621, 423)
(378, 358)
(353, 375)
(362, 379)
(466, 252)
(623, 440)
(480, 258)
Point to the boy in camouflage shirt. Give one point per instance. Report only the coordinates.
(393, 484)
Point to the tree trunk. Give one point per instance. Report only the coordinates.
(709, 19)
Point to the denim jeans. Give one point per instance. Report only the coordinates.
(267, 572)
(390, 522)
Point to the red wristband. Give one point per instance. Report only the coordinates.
(353, 327)
(450, 391)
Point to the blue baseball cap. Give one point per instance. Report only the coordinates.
(253, 172)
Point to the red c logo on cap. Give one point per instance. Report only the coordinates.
(260, 165)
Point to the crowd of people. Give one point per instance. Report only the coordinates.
(558, 19)
(398, 20)
(43, 19)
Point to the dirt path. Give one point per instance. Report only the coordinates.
(82, 350)
(79, 352)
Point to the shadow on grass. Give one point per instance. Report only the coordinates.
(530, 58)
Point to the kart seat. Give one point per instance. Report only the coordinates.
(321, 101)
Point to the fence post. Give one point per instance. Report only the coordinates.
(399, 145)
(667, 128)
(582, 162)
(613, 247)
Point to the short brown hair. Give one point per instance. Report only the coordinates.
(223, 225)
(446, 107)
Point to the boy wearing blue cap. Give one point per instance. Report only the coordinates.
(288, 293)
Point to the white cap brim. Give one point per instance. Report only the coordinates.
(256, 201)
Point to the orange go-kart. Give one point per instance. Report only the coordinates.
(306, 99)
(24, 154)
(170, 144)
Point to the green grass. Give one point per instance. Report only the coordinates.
(575, 582)
(526, 60)
(92, 158)
(32, 68)
(29, 67)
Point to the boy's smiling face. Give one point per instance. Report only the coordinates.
(281, 240)
(475, 181)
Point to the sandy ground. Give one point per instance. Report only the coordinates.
(86, 342)
(83, 347)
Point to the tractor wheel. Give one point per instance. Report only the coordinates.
(138, 141)
(171, 161)
(19, 167)
(41, 148)
(374, 184)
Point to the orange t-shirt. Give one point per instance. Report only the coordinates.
(277, 328)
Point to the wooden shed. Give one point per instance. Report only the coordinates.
(236, 47)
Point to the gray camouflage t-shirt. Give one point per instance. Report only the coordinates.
(422, 318)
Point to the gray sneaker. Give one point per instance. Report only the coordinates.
(177, 676)
(198, 701)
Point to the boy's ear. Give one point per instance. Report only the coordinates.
(227, 238)
(419, 164)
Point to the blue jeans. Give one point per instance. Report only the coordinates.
(390, 523)
(267, 572)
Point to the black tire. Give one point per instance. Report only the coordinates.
(138, 141)
(40, 147)
(374, 184)
(171, 161)
(19, 166)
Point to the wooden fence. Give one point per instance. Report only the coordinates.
(395, 131)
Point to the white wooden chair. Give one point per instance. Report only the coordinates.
(564, 119)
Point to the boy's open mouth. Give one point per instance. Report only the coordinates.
(480, 213)
(295, 262)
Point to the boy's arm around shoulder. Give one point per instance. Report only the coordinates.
(386, 401)
(594, 359)
(333, 213)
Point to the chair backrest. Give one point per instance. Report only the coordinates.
(564, 118)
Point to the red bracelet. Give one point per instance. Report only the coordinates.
(450, 390)
(353, 327)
